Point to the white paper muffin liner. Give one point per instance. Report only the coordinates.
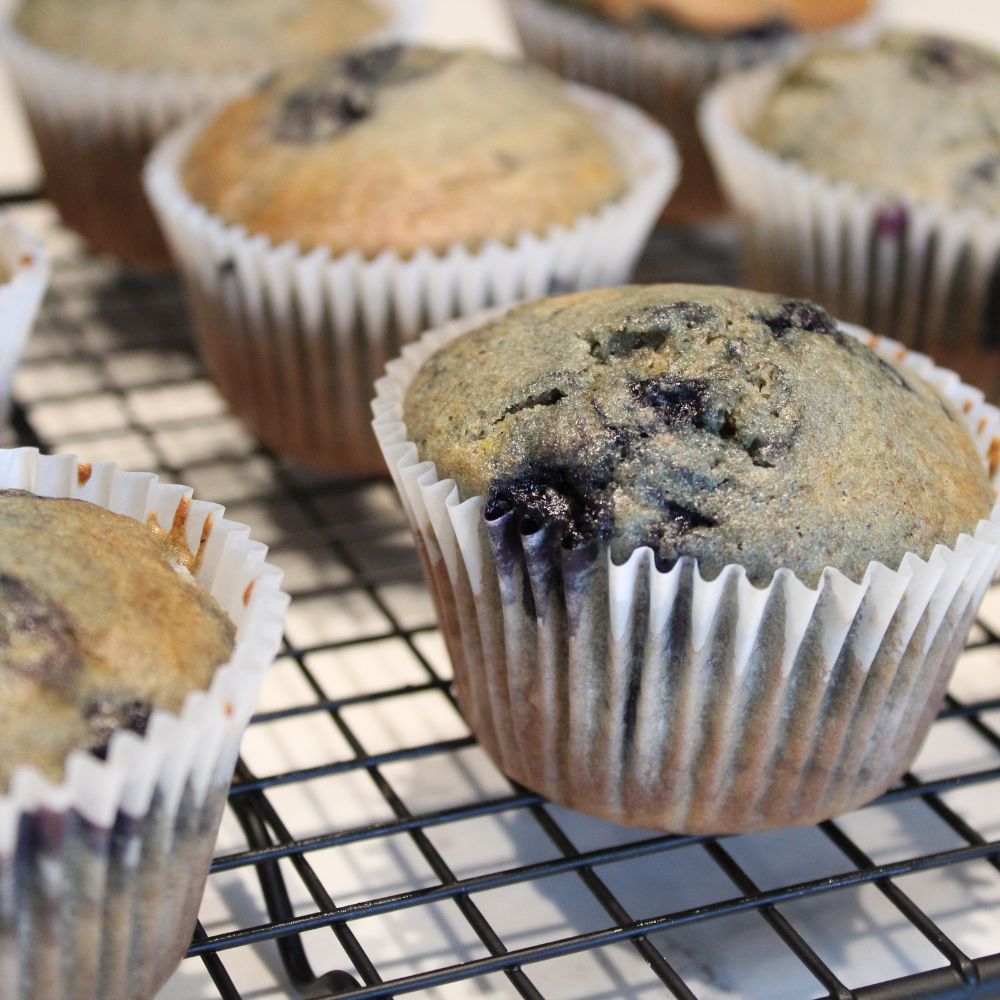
(926, 274)
(661, 71)
(101, 874)
(23, 261)
(663, 700)
(294, 339)
(94, 128)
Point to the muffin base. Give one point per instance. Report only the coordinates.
(101, 874)
(925, 274)
(663, 700)
(295, 339)
(95, 127)
(663, 73)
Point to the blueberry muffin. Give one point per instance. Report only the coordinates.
(917, 117)
(102, 80)
(729, 426)
(869, 181)
(403, 149)
(703, 560)
(180, 36)
(663, 54)
(101, 621)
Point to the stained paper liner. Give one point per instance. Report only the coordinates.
(26, 270)
(661, 71)
(94, 128)
(295, 339)
(663, 700)
(101, 874)
(926, 274)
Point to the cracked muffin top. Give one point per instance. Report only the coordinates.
(100, 622)
(726, 425)
(195, 35)
(729, 17)
(914, 116)
(403, 148)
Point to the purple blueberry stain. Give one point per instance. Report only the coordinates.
(891, 221)
(675, 400)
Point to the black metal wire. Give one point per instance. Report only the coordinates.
(253, 813)
(149, 312)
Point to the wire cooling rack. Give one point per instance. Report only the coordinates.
(372, 850)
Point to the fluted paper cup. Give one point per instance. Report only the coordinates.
(926, 274)
(295, 339)
(94, 128)
(25, 273)
(101, 874)
(663, 72)
(661, 699)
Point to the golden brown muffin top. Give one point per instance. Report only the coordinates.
(915, 115)
(403, 148)
(725, 17)
(720, 424)
(197, 35)
(99, 623)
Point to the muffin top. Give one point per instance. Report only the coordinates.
(195, 35)
(100, 622)
(914, 116)
(730, 426)
(403, 148)
(730, 17)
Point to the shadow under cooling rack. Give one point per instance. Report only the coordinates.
(372, 850)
